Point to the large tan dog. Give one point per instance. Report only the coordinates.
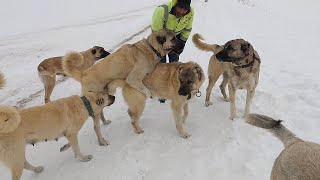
(299, 160)
(49, 68)
(63, 117)
(177, 82)
(240, 65)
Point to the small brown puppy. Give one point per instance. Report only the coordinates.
(299, 159)
(49, 68)
(178, 82)
(63, 117)
(240, 65)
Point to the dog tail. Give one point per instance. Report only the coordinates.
(70, 62)
(274, 126)
(2, 80)
(113, 85)
(9, 119)
(196, 39)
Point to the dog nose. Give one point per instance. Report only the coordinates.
(112, 98)
(182, 93)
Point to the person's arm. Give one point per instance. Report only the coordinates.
(185, 33)
(158, 19)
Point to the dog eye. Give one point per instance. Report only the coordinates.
(229, 48)
(161, 39)
(189, 82)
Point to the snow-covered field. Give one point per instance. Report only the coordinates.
(285, 33)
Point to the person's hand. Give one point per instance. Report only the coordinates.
(180, 49)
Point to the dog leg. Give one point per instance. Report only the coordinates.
(49, 83)
(73, 141)
(185, 112)
(135, 117)
(135, 77)
(177, 114)
(29, 167)
(212, 80)
(102, 141)
(223, 87)
(232, 95)
(250, 95)
(16, 171)
(103, 119)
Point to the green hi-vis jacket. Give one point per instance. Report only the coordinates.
(163, 19)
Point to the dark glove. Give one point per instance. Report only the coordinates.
(181, 48)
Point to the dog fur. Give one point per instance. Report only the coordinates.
(299, 159)
(49, 68)
(63, 117)
(2, 80)
(231, 61)
(177, 82)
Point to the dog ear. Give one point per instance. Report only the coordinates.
(161, 39)
(100, 101)
(93, 51)
(180, 70)
(199, 72)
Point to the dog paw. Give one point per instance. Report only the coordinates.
(185, 135)
(232, 117)
(65, 147)
(38, 169)
(139, 131)
(106, 122)
(226, 99)
(208, 103)
(86, 158)
(103, 142)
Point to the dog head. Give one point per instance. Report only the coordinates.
(236, 51)
(99, 52)
(165, 41)
(101, 99)
(191, 78)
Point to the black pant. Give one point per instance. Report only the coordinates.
(173, 57)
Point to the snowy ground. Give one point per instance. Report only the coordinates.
(285, 33)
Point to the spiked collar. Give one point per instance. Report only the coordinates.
(87, 105)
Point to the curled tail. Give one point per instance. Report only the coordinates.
(274, 126)
(2, 80)
(70, 62)
(113, 85)
(196, 39)
(9, 119)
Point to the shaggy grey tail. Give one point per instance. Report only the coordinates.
(274, 126)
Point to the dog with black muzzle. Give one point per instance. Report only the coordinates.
(49, 68)
(178, 82)
(240, 65)
(62, 117)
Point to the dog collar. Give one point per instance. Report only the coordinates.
(155, 51)
(88, 106)
(246, 65)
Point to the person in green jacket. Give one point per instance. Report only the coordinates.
(176, 15)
